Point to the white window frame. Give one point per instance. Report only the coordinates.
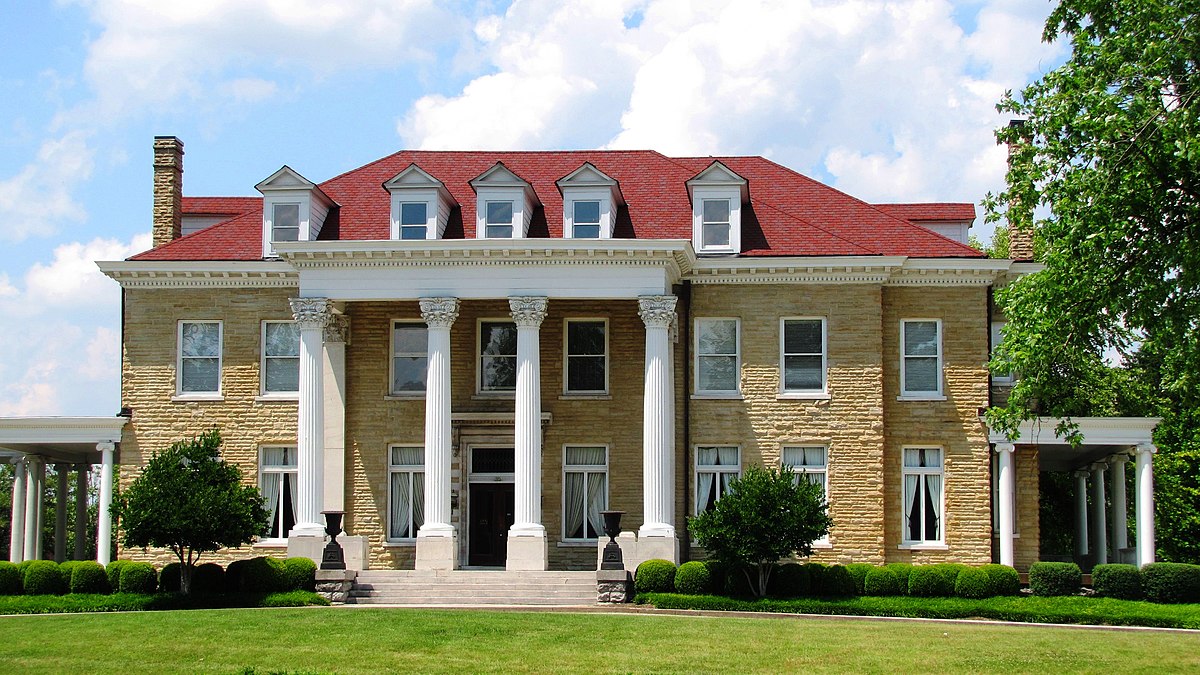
(736, 392)
(478, 348)
(566, 387)
(392, 356)
(607, 212)
(823, 391)
(286, 394)
(922, 395)
(734, 197)
(585, 469)
(303, 203)
(409, 469)
(262, 470)
(809, 470)
(430, 218)
(719, 469)
(997, 333)
(921, 472)
(180, 394)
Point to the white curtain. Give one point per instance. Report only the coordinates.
(293, 497)
(933, 506)
(418, 501)
(912, 508)
(597, 501)
(270, 491)
(401, 501)
(574, 506)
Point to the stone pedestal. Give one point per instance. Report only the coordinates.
(613, 586)
(437, 553)
(527, 553)
(353, 547)
(335, 585)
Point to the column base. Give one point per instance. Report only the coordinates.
(354, 549)
(527, 553)
(650, 547)
(307, 530)
(437, 552)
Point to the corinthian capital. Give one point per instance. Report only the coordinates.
(338, 329)
(528, 310)
(657, 311)
(311, 312)
(439, 312)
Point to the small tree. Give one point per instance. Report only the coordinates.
(188, 500)
(765, 516)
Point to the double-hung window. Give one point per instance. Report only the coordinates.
(499, 220)
(715, 224)
(587, 356)
(922, 474)
(277, 482)
(717, 356)
(810, 463)
(285, 222)
(199, 368)
(410, 359)
(997, 337)
(414, 220)
(280, 357)
(585, 491)
(497, 356)
(716, 467)
(921, 357)
(585, 219)
(406, 491)
(803, 356)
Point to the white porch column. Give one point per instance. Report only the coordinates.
(337, 336)
(1145, 504)
(658, 431)
(103, 515)
(1006, 500)
(60, 514)
(527, 549)
(312, 315)
(1098, 512)
(16, 539)
(33, 466)
(437, 540)
(81, 508)
(1081, 516)
(1120, 509)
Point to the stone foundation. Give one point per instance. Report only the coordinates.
(613, 586)
(335, 585)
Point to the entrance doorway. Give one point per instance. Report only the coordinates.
(490, 499)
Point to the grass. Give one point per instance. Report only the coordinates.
(317, 640)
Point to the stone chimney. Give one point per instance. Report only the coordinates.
(168, 189)
(1020, 237)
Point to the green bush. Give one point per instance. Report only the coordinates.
(170, 578)
(858, 572)
(138, 577)
(1171, 582)
(87, 576)
(902, 571)
(655, 576)
(208, 578)
(64, 569)
(299, 574)
(10, 579)
(973, 583)
(1005, 580)
(838, 581)
(1117, 581)
(790, 580)
(693, 578)
(113, 571)
(932, 581)
(233, 575)
(43, 578)
(1055, 578)
(881, 581)
(22, 567)
(261, 575)
(816, 577)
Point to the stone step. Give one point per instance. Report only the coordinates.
(457, 601)
(474, 587)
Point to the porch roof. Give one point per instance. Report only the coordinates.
(58, 439)
(1100, 437)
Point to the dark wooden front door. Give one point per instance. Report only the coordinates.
(491, 507)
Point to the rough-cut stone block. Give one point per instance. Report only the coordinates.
(613, 586)
(527, 553)
(335, 585)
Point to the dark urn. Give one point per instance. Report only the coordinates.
(333, 558)
(612, 551)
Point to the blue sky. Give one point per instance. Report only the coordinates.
(889, 101)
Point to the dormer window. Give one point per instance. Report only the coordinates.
(590, 201)
(421, 205)
(499, 220)
(285, 222)
(504, 204)
(717, 196)
(294, 209)
(414, 220)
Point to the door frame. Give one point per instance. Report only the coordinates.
(473, 477)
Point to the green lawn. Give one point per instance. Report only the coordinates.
(375, 640)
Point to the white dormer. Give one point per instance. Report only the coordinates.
(590, 201)
(420, 204)
(717, 195)
(294, 209)
(504, 204)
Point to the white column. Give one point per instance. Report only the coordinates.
(103, 514)
(1006, 500)
(1098, 513)
(437, 540)
(32, 508)
(1120, 508)
(60, 513)
(658, 426)
(312, 315)
(527, 537)
(1081, 517)
(81, 510)
(1145, 503)
(337, 336)
(16, 539)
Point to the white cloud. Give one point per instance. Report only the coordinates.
(39, 198)
(72, 278)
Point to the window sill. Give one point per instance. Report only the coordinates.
(803, 396)
(1003, 383)
(494, 395)
(270, 543)
(187, 398)
(716, 251)
(415, 396)
(585, 397)
(1016, 535)
(277, 398)
(408, 543)
(923, 547)
(718, 396)
(921, 397)
(578, 544)
(822, 546)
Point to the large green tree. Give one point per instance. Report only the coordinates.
(188, 500)
(1106, 172)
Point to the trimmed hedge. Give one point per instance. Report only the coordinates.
(128, 602)
(816, 577)
(1055, 578)
(858, 572)
(655, 576)
(299, 574)
(838, 581)
(1117, 581)
(10, 579)
(208, 578)
(43, 578)
(138, 577)
(931, 581)
(693, 578)
(113, 571)
(902, 571)
(170, 578)
(64, 568)
(973, 583)
(1005, 580)
(1171, 582)
(87, 576)
(22, 567)
(881, 581)
(790, 580)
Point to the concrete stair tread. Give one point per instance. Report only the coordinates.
(474, 587)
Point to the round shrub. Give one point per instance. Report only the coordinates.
(262, 575)
(299, 574)
(816, 577)
(22, 567)
(1055, 578)
(858, 572)
(1005, 580)
(10, 579)
(208, 578)
(138, 577)
(1117, 581)
(693, 578)
(1171, 582)
(790, 580)
(655, 576)
(113, 570)
(902, 571)
(169, 578)
(932, 581)
(973, 583)
(64, 568)
(87, 576)
(838, 581)
(881, 581)
(233, 575)
(43, 578)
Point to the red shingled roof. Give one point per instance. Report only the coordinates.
(789, 214)
(928, 213)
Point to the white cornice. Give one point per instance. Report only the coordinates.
(200, 273)
(51, 430)
(887, 270)
(1120, 431)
